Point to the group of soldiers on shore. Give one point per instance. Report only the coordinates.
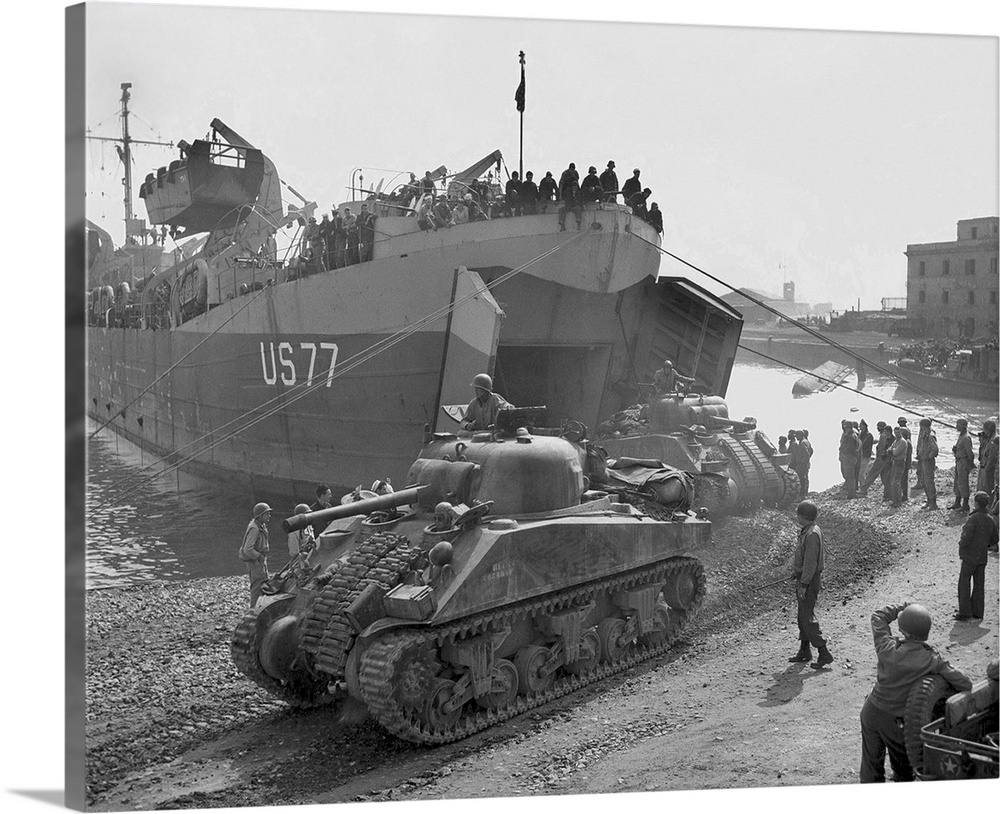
(894, 455)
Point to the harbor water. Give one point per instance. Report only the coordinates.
(179, 527)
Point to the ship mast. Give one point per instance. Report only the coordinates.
(124, 147)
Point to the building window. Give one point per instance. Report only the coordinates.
(972, 297)
(921, 268)
(970, 265)
(974, 230)
(921, 296)
(946, 269)
(944, 296)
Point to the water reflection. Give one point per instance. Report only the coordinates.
(182, 527)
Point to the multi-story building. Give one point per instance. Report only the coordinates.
(951, 288)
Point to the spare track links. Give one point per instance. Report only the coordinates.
(757, 479)
(402, 673)
(326, 633)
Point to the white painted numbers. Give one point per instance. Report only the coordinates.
(282, 362)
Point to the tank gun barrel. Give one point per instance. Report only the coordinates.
(404, 497)
(731, 423)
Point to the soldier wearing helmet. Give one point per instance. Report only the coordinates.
(255, 548)
(304, 540)
(989, 455)
(482, 410)
(668, 380)
(964, 461)
(806, 570)
(901, 664)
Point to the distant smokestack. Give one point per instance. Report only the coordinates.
(789, 292)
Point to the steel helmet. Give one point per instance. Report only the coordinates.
(484, 381)
(441, 554)
(259, 509)
(302, 508)
(915, 622)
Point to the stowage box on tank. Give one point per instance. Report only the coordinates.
(495, 583)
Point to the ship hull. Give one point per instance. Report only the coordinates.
(243, 395)
(945, 385)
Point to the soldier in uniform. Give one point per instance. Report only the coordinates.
(850, 450)
(255, 548)
(901, 664)
(609, 182)
(668, 380)
(927, 452)
(806, 570)
(989, 445)
(964, 461)
(529, 194)
(482, 410)
(979, 534)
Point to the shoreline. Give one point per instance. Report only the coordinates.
(171, 722)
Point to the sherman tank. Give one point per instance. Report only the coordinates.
(495, 582)
(734, 465)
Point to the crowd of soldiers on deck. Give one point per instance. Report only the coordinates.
(935, 353)
(343, 238)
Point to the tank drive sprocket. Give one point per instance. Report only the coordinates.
(305, 690)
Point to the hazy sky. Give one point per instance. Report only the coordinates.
(812, 156)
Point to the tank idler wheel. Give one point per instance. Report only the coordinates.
(504, 687)
(610, 632)
(435, 712)
(529, 662)
(590, 654)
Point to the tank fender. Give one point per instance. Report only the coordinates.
(764, 443)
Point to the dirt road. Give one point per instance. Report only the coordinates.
(724, 709)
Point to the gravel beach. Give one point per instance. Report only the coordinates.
(171, 723)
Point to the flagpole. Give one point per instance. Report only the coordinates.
(520, 159)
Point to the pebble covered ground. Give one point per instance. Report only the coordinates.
(161, 685)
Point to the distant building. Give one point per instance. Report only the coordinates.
(753, 313)
(951, 288)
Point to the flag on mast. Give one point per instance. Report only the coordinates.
(519, 94)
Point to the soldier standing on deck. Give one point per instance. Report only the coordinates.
(964, 461)
(806, 569)
(609, 182)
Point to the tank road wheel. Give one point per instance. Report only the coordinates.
(529, 662)
(609, 632)
(590, 654)
(415, 671)
(504, 688)
(441, 692)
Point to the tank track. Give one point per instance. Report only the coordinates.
(793, 487)
(327, 635)
(760, 478)
(305, 692)
(396, 649)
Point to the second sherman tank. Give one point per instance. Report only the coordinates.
(733, 464)
(495, 582)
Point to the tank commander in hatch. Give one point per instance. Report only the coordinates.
(668, 380)
(482, 410)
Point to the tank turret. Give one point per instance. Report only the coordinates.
(495, 582)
